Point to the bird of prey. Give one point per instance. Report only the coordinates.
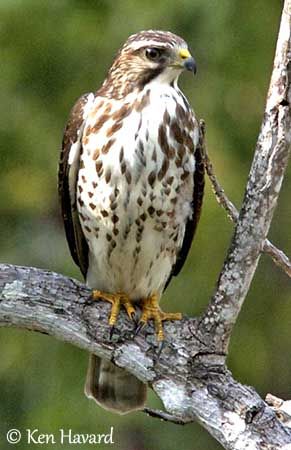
(131, 182)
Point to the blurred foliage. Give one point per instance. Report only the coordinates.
(52, 52)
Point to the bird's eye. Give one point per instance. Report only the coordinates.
(153, 53)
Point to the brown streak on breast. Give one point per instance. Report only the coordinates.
(189, 143)
(99, 166)
(128, 176)
(152, 178)
(105, 148)
(151, 210)
(166, 118)
(121, 113)
(115, 218)
(96, 154)
(162, 139)
(139, 106)
(139, 127)
(185, 175)
(107, 108)
(176, 131)
(115, 127)
(121, 155)
(181, 151)
(99, 124)
(96, 109)
(88, 131)
(123, 167)
(180, 113)
(163, 170)
(108, 175)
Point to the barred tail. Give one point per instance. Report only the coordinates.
(113, 388)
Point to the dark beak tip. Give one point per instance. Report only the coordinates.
(190, 64)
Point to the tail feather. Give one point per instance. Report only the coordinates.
(114, 388)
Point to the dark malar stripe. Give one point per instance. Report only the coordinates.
(148, 75)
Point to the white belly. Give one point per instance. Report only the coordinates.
(133, 203)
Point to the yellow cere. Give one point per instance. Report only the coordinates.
(184, 53)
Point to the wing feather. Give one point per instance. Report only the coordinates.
(68, 172)
(192, 222)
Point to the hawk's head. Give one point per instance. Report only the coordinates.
(146, 56)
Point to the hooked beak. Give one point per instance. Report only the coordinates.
(188, 62)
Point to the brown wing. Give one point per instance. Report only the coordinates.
(192, 223)
(68, 172)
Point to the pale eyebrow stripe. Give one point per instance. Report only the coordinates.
(148, 43)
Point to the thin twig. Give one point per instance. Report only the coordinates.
(157, 413)
(278, 256)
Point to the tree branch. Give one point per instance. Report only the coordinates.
(192, 382)
(262, 191)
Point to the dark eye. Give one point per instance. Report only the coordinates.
(153, 53)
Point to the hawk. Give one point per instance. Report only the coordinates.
(131, 182)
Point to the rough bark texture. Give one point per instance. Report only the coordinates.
(192, 382)
(189, 373)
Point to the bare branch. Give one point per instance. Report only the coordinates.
(278, 256)
(262, 191)
(218, 190)
(192, 382)
(162, 415)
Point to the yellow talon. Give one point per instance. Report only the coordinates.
(151, 310)
(117, 300)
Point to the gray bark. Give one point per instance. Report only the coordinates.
(189, 373)
(191, 380)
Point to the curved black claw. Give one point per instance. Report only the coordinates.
(112, 329)
(139, 327)
(135, 317)
(161, 345)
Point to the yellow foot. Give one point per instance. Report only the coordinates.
(117, 300)
(151, 310)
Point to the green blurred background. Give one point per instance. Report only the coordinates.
(52, 51)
